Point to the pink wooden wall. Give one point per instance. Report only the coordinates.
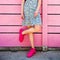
(51, 23)
(11, 22)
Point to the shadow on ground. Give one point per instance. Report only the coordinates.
(21, 55)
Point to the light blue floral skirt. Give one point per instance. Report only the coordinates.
(29, 9)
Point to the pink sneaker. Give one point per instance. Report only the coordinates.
(31, 52)
(21, 36)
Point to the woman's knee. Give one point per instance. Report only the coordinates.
(37, 28)
(29, 26)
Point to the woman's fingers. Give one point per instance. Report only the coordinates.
(22, 16)
(35, 13)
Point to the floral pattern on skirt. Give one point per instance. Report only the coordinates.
(29, 9)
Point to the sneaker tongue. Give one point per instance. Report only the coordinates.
(32, 50)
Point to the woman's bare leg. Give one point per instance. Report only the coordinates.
(37, 28)
(31, 40)
(30, 33)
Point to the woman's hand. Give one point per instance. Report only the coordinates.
(35, 13)
(22, 16)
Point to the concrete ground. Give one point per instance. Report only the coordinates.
(21, 55)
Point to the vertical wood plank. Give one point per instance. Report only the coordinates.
(44, 29)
